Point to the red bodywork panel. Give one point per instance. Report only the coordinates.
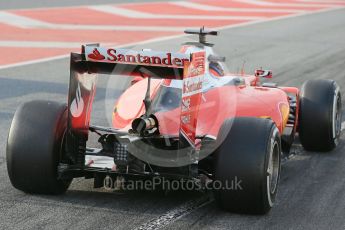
(217, 104)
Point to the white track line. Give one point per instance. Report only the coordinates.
(42, 60)
(175, 214)
(136, 14)
(322, 1)
(160, 39)
(264, 3)
(20, 21)
(40, 44)
(342, 126)
(121, 11)
(36, 61)
(26, 22)
(117, 28)
(198, 6)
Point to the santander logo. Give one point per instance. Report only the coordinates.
(125, 56)
(96, 55)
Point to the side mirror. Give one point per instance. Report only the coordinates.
(263, 73)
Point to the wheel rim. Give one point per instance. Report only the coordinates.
(337, 117)
(273, 171)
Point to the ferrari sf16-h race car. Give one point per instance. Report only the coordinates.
(181, 117)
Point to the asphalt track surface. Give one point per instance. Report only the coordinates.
(311, 193)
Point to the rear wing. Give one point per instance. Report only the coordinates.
(95, 60)
(128, 62)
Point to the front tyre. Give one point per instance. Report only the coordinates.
(249, 152)
(34, 147)
(320, 115)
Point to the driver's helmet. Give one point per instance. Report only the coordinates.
(216, 69)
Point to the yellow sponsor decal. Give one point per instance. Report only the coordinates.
(284, 111)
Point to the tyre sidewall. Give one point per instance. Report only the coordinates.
(244, 153)
(34, 147)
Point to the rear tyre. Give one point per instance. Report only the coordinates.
(34, 147)
(320, 115)
(249, 153)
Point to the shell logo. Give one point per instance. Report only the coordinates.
(77, 105)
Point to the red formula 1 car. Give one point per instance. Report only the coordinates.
(181, 117)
